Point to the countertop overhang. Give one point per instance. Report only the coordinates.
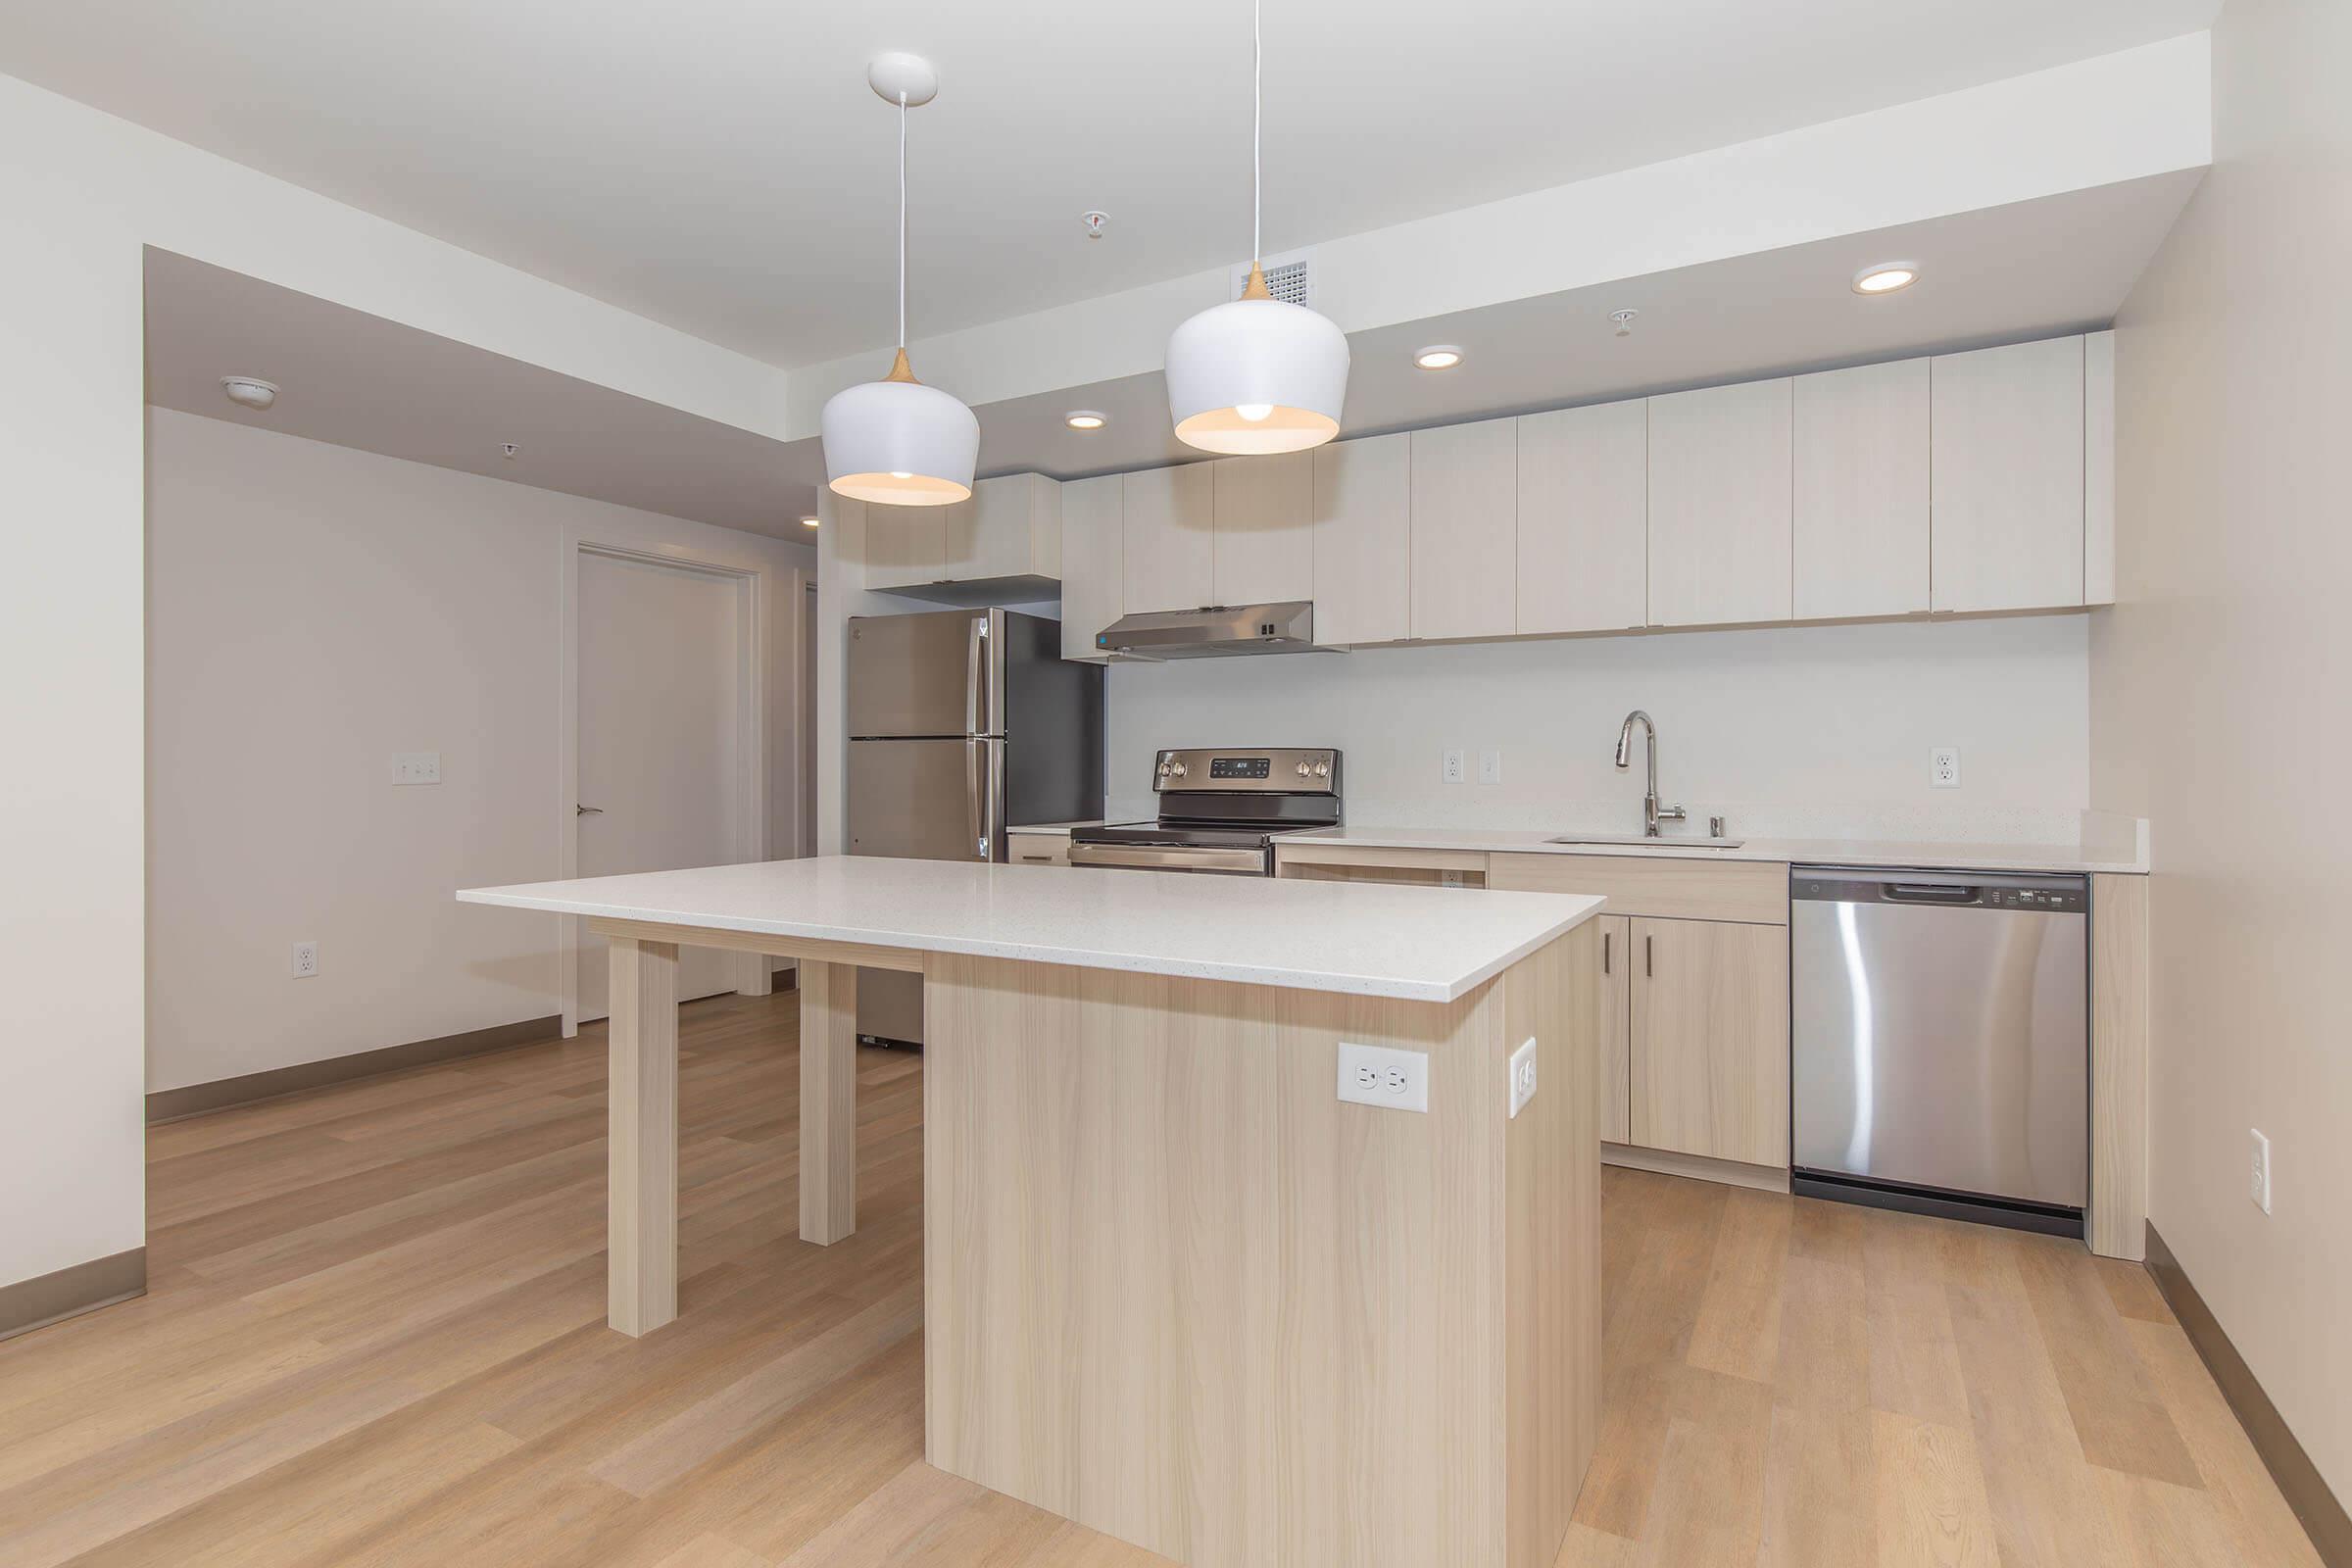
(1361, 939)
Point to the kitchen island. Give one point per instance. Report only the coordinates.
(1176, 1288)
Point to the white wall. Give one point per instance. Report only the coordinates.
(2220, 682)
(71, 440)
(1803, 731)
(311, 611)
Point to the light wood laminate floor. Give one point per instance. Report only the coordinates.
(376, 1336)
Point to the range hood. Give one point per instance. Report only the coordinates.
(1215, 632)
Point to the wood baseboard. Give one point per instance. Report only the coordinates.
(37, 1302)
(1733, 1172)
(2306, 1491)
(171, 1105)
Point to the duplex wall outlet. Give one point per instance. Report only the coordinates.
(305, 960)
(1523, 1076)
(1943, 767)
(1490, 767)
(2258, 1184)
(1379, 1075)
(1455, 772)
(416, 768)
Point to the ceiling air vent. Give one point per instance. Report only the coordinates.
(1290, 278)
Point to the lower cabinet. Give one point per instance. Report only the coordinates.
(1708, 1041)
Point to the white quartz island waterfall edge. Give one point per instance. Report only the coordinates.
(1366, 940)
(1152, 1182)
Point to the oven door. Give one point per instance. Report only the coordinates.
(1197, 859)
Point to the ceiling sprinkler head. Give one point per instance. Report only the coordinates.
(1625, 322)
(1093, 221)
(509, 447)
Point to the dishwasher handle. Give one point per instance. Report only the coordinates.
(1929, 893)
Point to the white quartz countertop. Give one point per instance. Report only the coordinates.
(1925, 854)
(1367, 939)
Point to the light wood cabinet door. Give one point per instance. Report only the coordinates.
(1363, 540)
(1011, 527)
(1720, 471)
(1094, 542)
(1465, 488)
(1266, 544)
(1710, 1039)
(1171, 538)
(1584, 519)
(1616, 1032)
(906, 546)
(2098, 468)
(1861, 493)
(2007, 487)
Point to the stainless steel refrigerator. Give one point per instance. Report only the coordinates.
(961, 724)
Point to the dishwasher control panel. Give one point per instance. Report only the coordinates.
(2059, 899)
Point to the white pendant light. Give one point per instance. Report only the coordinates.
(1257, 374)
(896, 440)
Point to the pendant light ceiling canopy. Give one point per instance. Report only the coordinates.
(1256, 375)
(896, 440)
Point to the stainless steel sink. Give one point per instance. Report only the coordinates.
(1663, 842)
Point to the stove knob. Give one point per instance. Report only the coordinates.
(1304, 770)
(1164, 766)
(1175, 770)
(1322, 771)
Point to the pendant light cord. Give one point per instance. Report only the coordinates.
(901, 220)
(1257, 115)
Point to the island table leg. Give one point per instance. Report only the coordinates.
(828, 1100)
(642, 1227)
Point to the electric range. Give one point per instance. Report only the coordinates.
(1220, 812)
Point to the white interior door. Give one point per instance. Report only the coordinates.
(661, 678)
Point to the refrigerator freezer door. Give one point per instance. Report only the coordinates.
(927, 800)
(929, 675)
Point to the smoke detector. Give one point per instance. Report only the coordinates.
(249, 392)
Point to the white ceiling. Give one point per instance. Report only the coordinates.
(362, 381)
(720, 165)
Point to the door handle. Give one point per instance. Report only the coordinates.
(1604, 952)
(578, 809)
(1649, 957)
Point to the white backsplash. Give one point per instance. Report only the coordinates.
(1812, 732)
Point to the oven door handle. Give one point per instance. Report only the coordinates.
(1153, 858)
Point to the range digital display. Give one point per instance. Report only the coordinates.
(1240, 767)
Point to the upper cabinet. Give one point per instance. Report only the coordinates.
(1363, 540)
(1583, 500)
(1171, 538)
(1002, 545)
(1967, 483)
(1094, 529)
(2008, 476)
(1465, 528)
(907, 547)
(1861, 492)
(1720, 544)
(1264, 550)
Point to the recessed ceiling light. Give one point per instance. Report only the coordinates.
(1886, 277)
(249, 392)
(808, 522)
(1085, 419)
(1437, 357)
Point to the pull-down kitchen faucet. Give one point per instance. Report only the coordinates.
(1652, 814)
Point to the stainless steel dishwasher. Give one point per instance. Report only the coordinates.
(1938, 1043)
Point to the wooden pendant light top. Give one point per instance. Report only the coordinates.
(900, 370)
(1255, 288)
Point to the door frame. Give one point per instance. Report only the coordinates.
(746, 834)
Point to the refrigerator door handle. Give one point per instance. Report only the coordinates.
(975, 678)
(980, 795)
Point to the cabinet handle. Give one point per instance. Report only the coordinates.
(1604, 952)
(1649, 957)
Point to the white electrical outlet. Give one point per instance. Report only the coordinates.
(2258, 1186)
(1943, 767)
(1523, 1075)
(1490, 767)
(416, 768)
(305, 960)
(1378, 1075)
(1454, 767)
(1450, 879)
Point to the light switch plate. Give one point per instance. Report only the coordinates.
(2258, 1186)
(1523, 1076)
(416, 768)
(1380, 1075)
(1490, 767)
